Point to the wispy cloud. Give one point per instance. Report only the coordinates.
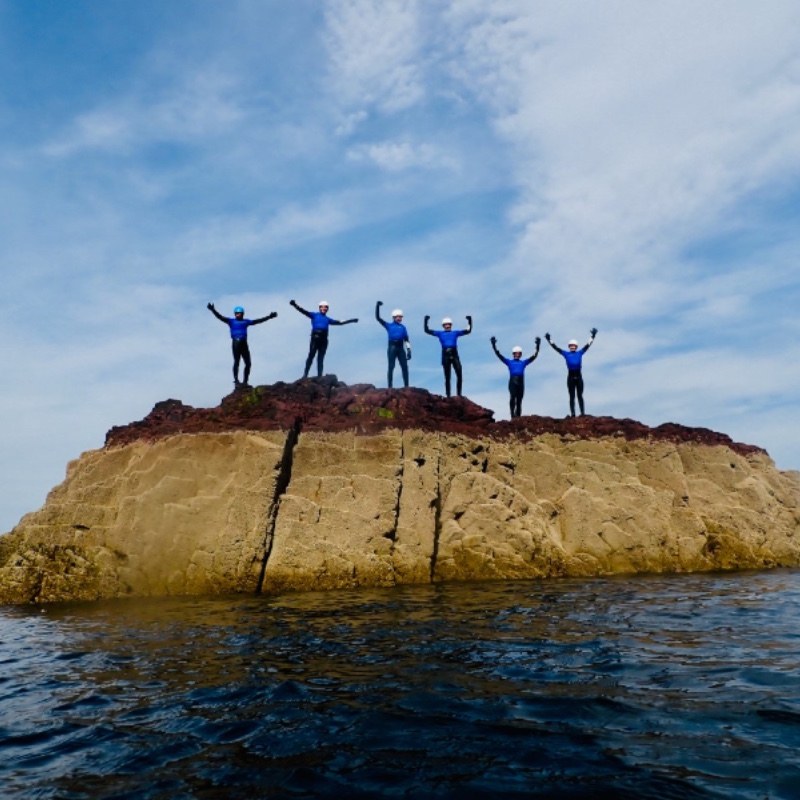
(374, 53)
(401, 155)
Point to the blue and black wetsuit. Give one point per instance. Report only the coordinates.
(239, 346)
(450, 359)
(516, 378)
(319, 337)
(398, 348)
(574, 361)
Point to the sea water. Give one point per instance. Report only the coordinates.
(636, 687)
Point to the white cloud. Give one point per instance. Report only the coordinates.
(401, 155)
(374, 52)
(204, 103)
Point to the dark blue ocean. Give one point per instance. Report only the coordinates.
(648, 687)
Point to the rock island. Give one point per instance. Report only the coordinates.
(320, 485)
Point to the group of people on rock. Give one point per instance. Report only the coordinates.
(399, 351)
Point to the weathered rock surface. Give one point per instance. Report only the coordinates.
(318, 485)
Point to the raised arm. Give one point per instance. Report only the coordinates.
(216, 313)
(588, 344)
(552, 343)
(265, 319)
(301, 310)
(342, 322)
(378, 313)
(493, 340)
(469, 329)
(426, 328)
(533, 357)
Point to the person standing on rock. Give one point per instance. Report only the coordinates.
(238, 326)
(448, 338)
(574, 359)
(516, 374)
(320, 322)
(399, 348)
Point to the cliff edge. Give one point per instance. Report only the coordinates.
(317, 485)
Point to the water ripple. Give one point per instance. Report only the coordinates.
(659, 687)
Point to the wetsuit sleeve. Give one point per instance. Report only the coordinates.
(264, 319)
(468, 331)
(533, 357)
(497, 353)
(219, 316)
(378, 314)
(427, 329)
(300, 309)
(587, 345)
(556, 347)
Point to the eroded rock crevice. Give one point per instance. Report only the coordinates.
(392, 534)
(281, 484)
(437, 518)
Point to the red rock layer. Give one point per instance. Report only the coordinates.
(325, 404)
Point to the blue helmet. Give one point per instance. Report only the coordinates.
(238, 310)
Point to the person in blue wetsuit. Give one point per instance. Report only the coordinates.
(239, 326)
(574, 359)
(399, 347)
(516, 374)
(320, 321)
(448, 338)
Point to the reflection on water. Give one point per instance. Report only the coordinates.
(677, 687)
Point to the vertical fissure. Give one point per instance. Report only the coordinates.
(281, 484)
(437, 518)
(392, 534)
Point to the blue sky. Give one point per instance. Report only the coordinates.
(542, 166)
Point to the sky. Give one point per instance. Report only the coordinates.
(542, 165)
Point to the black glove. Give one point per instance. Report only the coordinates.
(427, 318)
(408, 352)
(538, 342)
(469, 319)
(273, 315)
(547, 336)
(379, 303)
(292, 303)
(493, 340)
(593, 331)
(210, 306)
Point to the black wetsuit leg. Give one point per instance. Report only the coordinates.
(391, 355)
(449, 357)
(403, 361)
(575, 386)
(516, 391)
(457, 368)
(317, 347)
(241, 352)
(579, 392)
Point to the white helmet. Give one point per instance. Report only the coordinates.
(572, 342)
(517, 349)
(324, 303)
(398, 312)
(447, 321)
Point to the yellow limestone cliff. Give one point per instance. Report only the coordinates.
(273, 510)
